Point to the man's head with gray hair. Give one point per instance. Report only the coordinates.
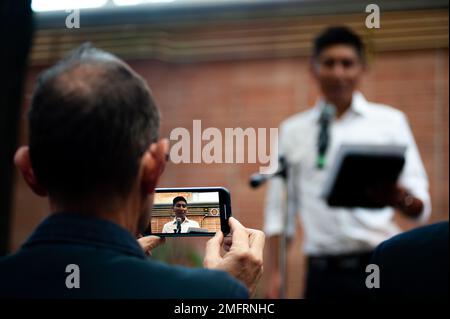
(91, 120)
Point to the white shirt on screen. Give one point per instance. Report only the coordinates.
(329, 230)
(169, 227)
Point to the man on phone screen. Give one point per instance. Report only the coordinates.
(180, 224)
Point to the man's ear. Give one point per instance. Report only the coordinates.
(23, 163)
(154, 162)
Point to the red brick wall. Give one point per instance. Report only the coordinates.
(261, 93)
(264, 92)
(211, 223)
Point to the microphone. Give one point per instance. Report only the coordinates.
(257, 179)
(178, 225)
(326, 117)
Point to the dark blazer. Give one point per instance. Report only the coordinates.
(414, 264)
(111, 265)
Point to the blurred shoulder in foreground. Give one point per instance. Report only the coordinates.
(414, 264)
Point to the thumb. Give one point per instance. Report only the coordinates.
(212, 253)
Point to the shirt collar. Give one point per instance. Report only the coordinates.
(84, 230)
(358, 106)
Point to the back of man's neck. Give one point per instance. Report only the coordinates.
(117, 216)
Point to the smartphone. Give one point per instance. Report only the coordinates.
(190, 212)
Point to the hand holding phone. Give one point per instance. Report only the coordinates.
(206, 211)
(244, 260)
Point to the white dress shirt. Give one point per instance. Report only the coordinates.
(169, 227)
(329, 230)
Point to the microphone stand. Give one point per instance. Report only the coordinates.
(256, 180)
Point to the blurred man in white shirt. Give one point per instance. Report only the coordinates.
(338, 241)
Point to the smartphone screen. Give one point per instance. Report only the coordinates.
(192, 211)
